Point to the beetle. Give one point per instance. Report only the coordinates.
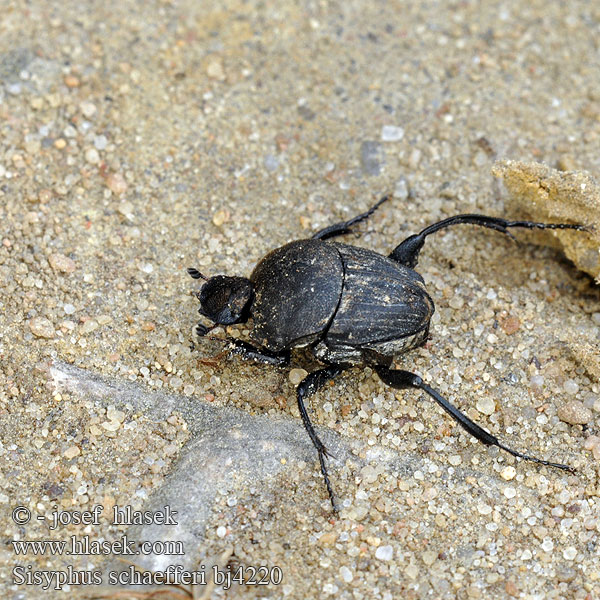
(349, 306)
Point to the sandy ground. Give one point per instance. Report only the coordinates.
(140, 138)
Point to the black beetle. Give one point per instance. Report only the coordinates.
(349, 305)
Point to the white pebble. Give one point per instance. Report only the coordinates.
(221, 531)
(297, 375)
(384, 553)
(571, 387)
(88, 109)
(486, 406)
(547, 545)
(92, 156)
(570, 553)
(391, 133)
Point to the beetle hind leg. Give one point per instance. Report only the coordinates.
(344, 227)
(308, 386)
(407, 252)
(399, 379)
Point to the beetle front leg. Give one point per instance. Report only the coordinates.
(308, 386)
(407, 252)
(344, 227)
(246, 350)
(399, 379)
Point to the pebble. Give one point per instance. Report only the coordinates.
(401, 189)
(92, 156)
(221, 531)
(100, 142)
(486, 405)
(368, 474)
(116, 183)
(111, 425)
(42, 327)
(72, 452)
(571, 387)
(89, 326)
(384, 553)
(391, 133)
(429, 557)
(62, 263)
(220, 217)
(371, 158)
(297, 375)
(570, 553)
(215, 70)
(574, 413)
(71, 81)
(510, 325)
(593, 443)
(508, 473)
(88, 109)
(346, 574)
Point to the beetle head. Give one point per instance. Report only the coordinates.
(226, 300)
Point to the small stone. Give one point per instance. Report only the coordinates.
(429, 557)
(297, 375)
(510, 325)
(508, 473)
(92, 156)
(71, 81)
(214, 69)
(100, 142)
(220, 217)
(593, 443)
(72, 452)
(88, 109)
(391, 133)
(60, 143)
(371, 158)
(89, 326)
(346, 574)
(510, 492)
(221, 531)
(62, 263)
(574, 413)
(571, 387)
(115, 415)
(95, 430)
(570, 553)
(486, 405)
(511, 589)
(368, 474)
(456, 302)
(401, 189)
(328, 538)
(116, 183)
(384, 553)
(41, 327)
(111, 425)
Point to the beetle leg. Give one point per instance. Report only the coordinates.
(308, 386)
(404, 379)
(250, 352)
(344, 227)
(407, 252)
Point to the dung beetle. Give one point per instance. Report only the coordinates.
(349, 305)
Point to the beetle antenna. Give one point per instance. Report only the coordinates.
(195, 274)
